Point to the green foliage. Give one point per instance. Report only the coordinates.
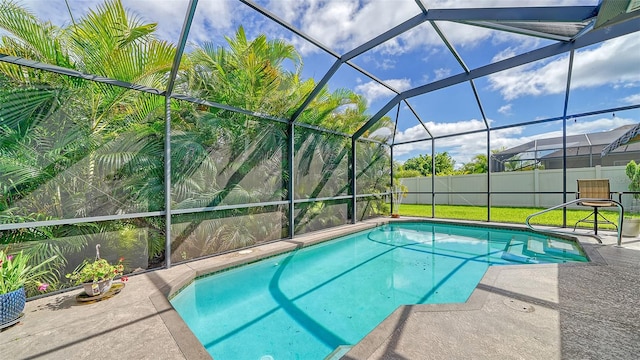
(478, 165)
(95, 271)
(421, 164)
(17, 272)
(633, 173)
(398, 174)
(443, 161)
(74, 148)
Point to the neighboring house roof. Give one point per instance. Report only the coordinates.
(581, 144)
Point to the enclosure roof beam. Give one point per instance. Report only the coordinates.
(289, 27)
(464, 66)
(517, 30)
(387, 35)
(418, 117)
(479, 102)
(382, 112)
(316, 90)
(186, 26)
(16, 60)
(534, 122)
(421, 6)
(590, 38)
(424, 11)
(390, 34)
(372, 77)
(449, 46)
(587, 39)
(395, 127)
(534, 14)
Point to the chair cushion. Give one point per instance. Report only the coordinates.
(597, 203)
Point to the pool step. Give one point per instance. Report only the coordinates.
(338, 352)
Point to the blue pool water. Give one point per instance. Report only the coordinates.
(304, 304)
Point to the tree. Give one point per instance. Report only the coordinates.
(478, 165)
(633, 173)
(444, 164)
(422, 163)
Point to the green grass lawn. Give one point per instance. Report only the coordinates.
(507, 214)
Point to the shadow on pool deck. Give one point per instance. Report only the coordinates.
(524, 312)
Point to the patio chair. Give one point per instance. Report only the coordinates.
(596, 193)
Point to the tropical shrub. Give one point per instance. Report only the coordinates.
(16, 272)
(633, 173)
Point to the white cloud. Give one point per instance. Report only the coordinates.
(343, 24)
(441, 73)
(518, 44)
(425, 39)
(462, 148)
(632, 99)
(613, 63)
(372, 90)
(418, 132)
(169, 15)
(505, 109)
(525, 80)
(386, 64)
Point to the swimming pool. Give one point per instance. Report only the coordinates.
(306, 303)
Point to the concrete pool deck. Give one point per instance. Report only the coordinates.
(517, 312)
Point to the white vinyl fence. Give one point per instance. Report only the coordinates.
(525, 182)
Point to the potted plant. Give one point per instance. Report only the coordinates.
(96, 276)
(631, 221)
(15, 274)
(399, 191)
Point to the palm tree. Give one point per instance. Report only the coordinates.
(248, 74)
(71, 147)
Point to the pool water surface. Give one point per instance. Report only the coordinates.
(306, 303)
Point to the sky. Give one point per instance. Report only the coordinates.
(605, 75)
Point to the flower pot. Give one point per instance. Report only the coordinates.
(395, 216)
(97, 288)
(11, 305)
(630, 227)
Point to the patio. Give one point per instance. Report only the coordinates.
(560, 311)
(173, 135)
